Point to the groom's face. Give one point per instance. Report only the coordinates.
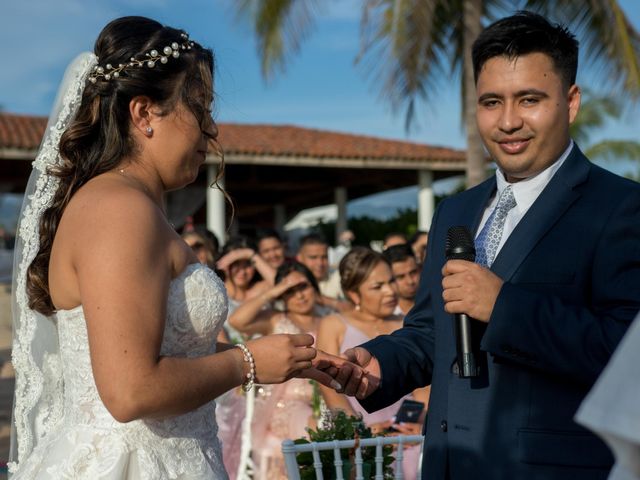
(523, 113)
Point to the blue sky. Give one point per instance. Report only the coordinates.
(321, 88)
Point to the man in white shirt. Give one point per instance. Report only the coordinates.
(406, 275)
(313, 253)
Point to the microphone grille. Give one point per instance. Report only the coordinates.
(460, 245)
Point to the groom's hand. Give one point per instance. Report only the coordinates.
(341, 375)
(326, 368)
(469, 288)
(371, 381)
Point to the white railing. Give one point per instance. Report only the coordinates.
(290, 451)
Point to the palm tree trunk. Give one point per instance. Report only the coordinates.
(476, 167)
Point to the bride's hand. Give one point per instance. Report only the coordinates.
(279, 357)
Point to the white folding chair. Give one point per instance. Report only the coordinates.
(290, 451)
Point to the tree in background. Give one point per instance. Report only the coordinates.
(594, 112)
(412, 48)
(367, 229)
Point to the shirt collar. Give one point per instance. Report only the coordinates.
(526, 191)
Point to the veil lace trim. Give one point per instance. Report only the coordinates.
(39, 384)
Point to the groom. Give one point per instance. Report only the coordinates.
(559, 283)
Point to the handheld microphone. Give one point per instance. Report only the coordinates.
(460, 246)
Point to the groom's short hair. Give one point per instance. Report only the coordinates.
(525, 33)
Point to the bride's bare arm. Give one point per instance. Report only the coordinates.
(125, 258)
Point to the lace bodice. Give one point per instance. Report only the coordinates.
(183, 446)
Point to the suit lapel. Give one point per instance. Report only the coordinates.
(552, 203)
(475, 204)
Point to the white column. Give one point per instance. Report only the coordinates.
(340, 197)
(216, 219)
(279, 216)
(426, 201)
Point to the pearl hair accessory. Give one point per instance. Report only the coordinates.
(247, 385)
(109, 72)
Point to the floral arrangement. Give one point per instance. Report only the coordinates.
(337, 425)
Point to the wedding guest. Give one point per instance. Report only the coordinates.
(368, 284)
(345, 241)
(246, 273)
(285, 412)
(394, 238)
(212, 238)
(406, 276)
(204, 250)
(313, 252)
(418, 242)
(271, 247)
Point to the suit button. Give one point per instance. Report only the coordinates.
(443, 425)
(455, 369)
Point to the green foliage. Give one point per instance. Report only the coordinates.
(316, 399)
(340, 426)
(595, 111)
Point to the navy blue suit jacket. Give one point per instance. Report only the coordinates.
(571, 270)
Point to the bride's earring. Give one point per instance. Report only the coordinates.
(149, 131)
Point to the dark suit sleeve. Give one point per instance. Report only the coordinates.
(544, 331)
(406, 356)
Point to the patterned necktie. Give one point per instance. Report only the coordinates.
(489, 238)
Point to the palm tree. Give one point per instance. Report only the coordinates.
(594, 112)
(410, 45)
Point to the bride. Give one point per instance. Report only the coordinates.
(115, 320)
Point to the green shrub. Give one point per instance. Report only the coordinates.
(340, 426)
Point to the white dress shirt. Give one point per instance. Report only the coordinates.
(525, 192)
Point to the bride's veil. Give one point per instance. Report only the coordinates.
(38, 396)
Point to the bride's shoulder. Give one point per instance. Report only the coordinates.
(105, 209)
(108, 197)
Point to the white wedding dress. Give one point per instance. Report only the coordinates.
(88, 443)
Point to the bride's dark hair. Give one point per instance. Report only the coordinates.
(98, 138)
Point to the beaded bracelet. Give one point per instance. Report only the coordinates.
(251, 376)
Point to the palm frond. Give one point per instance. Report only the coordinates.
(595, 110)
(609, 40)
(404, 48)
(280, 27)
(614, 150)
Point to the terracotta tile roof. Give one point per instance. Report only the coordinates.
(21, 131)
(24, 132)
(297, 141)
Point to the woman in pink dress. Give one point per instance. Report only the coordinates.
(367, 282)
(286, 411)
